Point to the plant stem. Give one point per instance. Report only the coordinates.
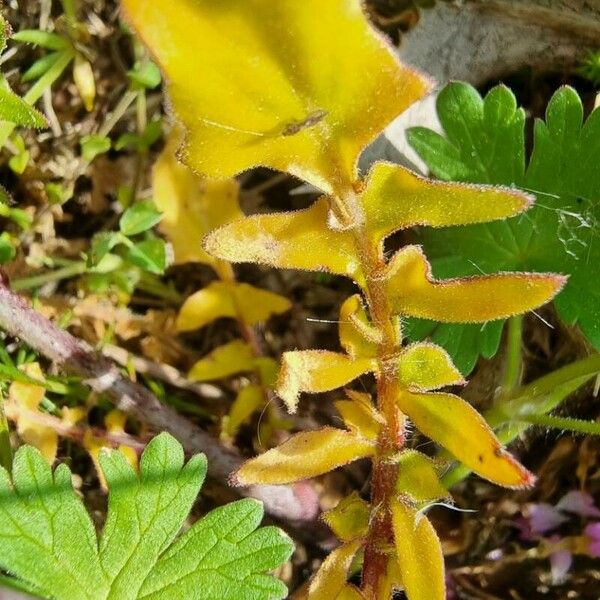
(513, 368)
(391, 437)
(565, 423)
(115, 116)
(28, 283)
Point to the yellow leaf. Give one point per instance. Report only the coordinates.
(278, 85)
(267, 369)
(115, 423)
(330, 580)
(358, 337)
(229, 299)
(391, 581)
(229, 359)
(249, 399)
(27, 398)
(396, 198)
(317, 371)
(360, 415)
(304, 455)
(412, 291)
(425, 366)
(350, 592)
(418, 477)
(349, 519)
(192, 206)
(419, 554)
(291, 240)
(457, 426)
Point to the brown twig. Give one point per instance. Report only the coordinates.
(293, 503)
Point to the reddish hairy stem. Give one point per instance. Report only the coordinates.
(293, 503)
(391, 437)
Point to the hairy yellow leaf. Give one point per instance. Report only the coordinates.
(413, 291)
(330, 580)
(249, 399)
(396, 198)
(418, 477)
(291, 240)
(358, 337)
(192, 206)
(317, 371)
(304, 455)
(457, 426)
(27, 398)
(419, 552)
(278, 85)
(360, 415)
(349, 519)
(425, 366)
(229, 359)
(229, 299)
(350, 592)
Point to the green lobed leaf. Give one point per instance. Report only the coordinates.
(484, 143)
(49, 541)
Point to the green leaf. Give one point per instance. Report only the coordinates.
(17, 111)
(7, 250)
(139, 217)
(145, 74)
(485, 143)
(44, 39)
(102, 244)
(94, 145)
(150, 255)
(49, 541)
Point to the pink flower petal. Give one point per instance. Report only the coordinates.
(592, 532)
(578, 503)
(560, 563)
(544, 517)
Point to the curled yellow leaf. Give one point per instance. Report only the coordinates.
(192, 206)
(330, 580)
(396, 198)
(278, 85)
(229, 359)
(292, 240)
(229, 299)
(413, 291)
(419, 552)
(358, 337)
(317, 371)
(303, 456)
(457, 426)
(360, 415)
(425, 366)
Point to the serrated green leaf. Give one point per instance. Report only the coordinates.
(16, 110)
(139, 217)
(49, 541)
(223, 556)
(485, 143)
